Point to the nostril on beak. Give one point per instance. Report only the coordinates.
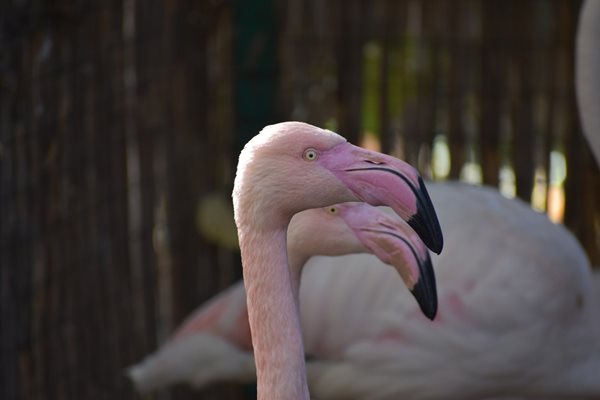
(375, 162)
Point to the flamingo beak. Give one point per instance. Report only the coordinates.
(379, 179)
(394, 242)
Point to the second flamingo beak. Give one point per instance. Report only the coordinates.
(395, 243)
(379, 179)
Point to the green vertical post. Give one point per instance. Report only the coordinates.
(255, 68)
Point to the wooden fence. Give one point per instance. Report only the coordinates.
(117, 116)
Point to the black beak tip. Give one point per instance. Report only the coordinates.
(425, 291)
(425, 222)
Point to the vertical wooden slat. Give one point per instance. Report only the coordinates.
(545, 102)
(190, 158)
(521, 14)
(430, 82)
(573, 142)
(140, 186)
(71, 245)
(455, 98)
(349, 69)
(412, 126)
(395, 70)
(582, 184)
(386, 134)
(44, 92)
(9, 379)
(85, 109)
(15, 94)
(146, 138)
(493, 79)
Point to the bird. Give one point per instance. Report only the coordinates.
(518, 314)
(214, 343)
(287, 168)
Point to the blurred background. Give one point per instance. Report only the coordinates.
(121, 121)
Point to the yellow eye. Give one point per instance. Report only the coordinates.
(310, 155)
(332, 210)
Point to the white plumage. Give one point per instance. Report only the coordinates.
(517, 314)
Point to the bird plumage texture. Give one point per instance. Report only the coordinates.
(518, 312)
(221, 327)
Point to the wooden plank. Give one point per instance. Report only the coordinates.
(521, 14)
(386, 134)
(455, 94)
(493, 81)
(350, 44)
(15, 307)
(582, 186)
(413, 69)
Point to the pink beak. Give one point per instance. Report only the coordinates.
(396, 244)
(379, 179)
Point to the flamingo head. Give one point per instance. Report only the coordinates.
(360, 228)
(325, 169)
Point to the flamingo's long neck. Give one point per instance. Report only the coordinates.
(296, 260)
(273, 316)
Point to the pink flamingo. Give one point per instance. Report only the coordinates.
(214, 343)
(519, 316)
(287, 168)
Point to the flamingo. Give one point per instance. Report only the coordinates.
(518, 315)
(214, 343)
(287, 168)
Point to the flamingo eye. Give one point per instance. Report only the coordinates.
(332, 210)
(310, 155)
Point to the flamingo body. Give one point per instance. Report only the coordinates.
(514, 318)
(517, 314)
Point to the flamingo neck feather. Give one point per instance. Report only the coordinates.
(296, 262)
(273, 316)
